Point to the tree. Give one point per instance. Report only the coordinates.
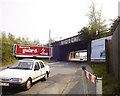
(11, 37)
(96, 24)
(18, 40)
(51, 41)
(7, 47)
(84, 34)
(115, 24)
(24, 41)
(36, 42)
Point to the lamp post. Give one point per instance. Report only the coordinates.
(49, 44)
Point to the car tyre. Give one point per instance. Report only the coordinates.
(28, 84)
(48, 74)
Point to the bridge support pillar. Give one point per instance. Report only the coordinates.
(89, 52)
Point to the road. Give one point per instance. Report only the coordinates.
(65, 78)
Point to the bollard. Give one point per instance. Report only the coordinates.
(85, 83)
(99, 86)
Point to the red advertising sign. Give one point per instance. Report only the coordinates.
(30, 51)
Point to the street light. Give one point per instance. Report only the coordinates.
(49, 44)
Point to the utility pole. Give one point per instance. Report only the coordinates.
(49, 44)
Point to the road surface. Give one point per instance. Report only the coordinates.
(65, 78)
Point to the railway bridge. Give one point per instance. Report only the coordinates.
(62, 48)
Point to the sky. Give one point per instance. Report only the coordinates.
(34, 18)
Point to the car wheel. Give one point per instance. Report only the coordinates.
(48, 74)
(45, 77)
(28, 84)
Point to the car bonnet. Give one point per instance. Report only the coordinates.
(15, 73)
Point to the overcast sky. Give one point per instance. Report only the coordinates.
(34, 18)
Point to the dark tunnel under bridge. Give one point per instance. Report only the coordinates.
(62, 49)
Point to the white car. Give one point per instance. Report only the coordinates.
(23, 73)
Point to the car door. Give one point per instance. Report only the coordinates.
(42, 67)
(37, 71)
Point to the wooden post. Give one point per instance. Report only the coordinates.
(107, 55)
(89, 52)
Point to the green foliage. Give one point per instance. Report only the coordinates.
(104, 35)
(7, 47)
(85, 35)
(96, 25)
(51, 41)
(110, 83)
(7, 43)
(36, 42)
(115, 24)
(11, 38)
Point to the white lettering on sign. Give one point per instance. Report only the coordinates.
(29, 50)
(70, 40)
(24, 47)
(43, 52)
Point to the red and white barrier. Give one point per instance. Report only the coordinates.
(94, 79)
(90, 76)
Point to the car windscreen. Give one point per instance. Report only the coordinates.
(22, 65)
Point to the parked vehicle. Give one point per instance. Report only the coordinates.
(83, 58)
(24, 73)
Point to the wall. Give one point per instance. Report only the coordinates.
(116, 52)
(113, 54)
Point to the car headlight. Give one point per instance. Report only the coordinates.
(16, 80)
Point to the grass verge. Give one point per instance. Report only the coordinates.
(110, 83)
